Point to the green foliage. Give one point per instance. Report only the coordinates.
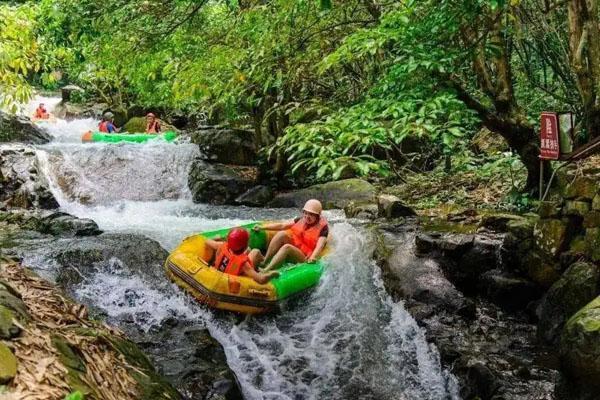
(77, 395)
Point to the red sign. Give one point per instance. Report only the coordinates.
(549, 147)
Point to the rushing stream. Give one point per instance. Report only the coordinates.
(347, 339)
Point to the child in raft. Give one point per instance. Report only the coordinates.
(233, 256)
(300, 240)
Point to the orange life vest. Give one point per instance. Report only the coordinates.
(102, 127)
(41, 113)
(305, 237)
(229, 262)
(153, 127)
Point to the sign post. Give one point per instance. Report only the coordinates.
(549, 142)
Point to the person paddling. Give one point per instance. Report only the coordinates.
(233, 256)
(41, 112)
(300, 240)
(107, 125)
(152, 124)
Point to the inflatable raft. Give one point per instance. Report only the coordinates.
(90, 136)
(189, 267)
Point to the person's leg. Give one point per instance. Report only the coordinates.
(281, 238)
(256, 258)
(287, 252)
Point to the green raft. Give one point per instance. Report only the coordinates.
(188, 266)
(90, 136)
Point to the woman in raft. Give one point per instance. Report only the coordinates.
(152, 124)
(300, 240)
(235, 258)
(41, 112)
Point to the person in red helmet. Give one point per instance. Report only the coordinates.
(152, 124)
(233, 256)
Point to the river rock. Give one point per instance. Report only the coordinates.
(509, 291)
(361, 210)
(226, 145)
(20, 129)
(592, 243)
(111, 252)
(390, 206)
(499, 222)
(336, 194)
(54, 223)
(218, 183)
(257, 196)
(22, 185)
(578, 285)
(549, 209)
(419, 280)
(580, 349)
(69, 111)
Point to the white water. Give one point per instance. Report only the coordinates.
(347, 339)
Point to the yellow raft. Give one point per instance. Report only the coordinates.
(188, 266)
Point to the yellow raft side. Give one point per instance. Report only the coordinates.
(188, 268)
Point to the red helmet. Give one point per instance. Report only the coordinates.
(237, 239)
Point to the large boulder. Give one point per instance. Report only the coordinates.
(70, 111)
(67, 91)
(336, 194)
(226, 145)
(218, 183)
(552, 236)
(508, 290)
(52, 222)
(257, 196)
(419, 281)
(20, 129)
(580, 350)
(22, 185)
(578, 285)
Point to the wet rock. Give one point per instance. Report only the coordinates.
(361, 210)
(447, 244)
(112, 252)
(11, 308)
(507, 290)
(54, 223)
(479, 380)
(578, 285)
(70, 111)
(257, 196)
(420, 280)
(580, 349)
(22, 186)
(226, 145)
(336, 194)
(390, 206)
(202, 373)
(499, 222)
(21, 129)
(8, 364)
(218, 183)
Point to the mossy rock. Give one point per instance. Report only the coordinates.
(135, 125)
(578, 208)
(549, 209)
(540, 269)
(577, 286)
(592, 243)
(580, 346)
(551, 236)
(596, 203)
(76, 368)
(152, 385)
(8, 364)
(521, 228)
(581, 188)
(8, 329)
